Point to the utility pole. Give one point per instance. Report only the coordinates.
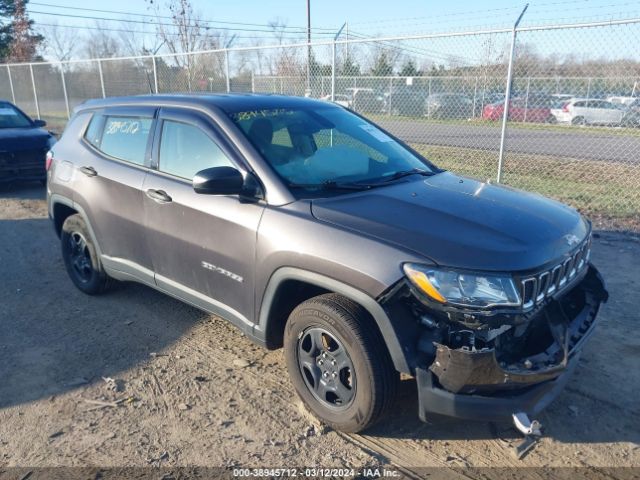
(307, 92)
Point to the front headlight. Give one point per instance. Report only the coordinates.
(461, 288)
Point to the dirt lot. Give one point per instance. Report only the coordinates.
(196, 392)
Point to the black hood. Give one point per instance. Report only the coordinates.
(15, 139)
(459, 222)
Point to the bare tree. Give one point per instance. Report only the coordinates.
(187, 32)
(102, 43)
(284, 61)
(60, 43)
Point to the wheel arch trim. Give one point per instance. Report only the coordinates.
(60, 199)
(368, 303)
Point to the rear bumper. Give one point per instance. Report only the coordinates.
(495, 392)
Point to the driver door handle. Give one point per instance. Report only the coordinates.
(159, 196)
(89, 171)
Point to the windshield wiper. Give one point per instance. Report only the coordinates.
(406, 173)
(332, 185)
(398, 175)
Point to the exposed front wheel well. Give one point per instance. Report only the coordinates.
(289, 295)
(60, 213)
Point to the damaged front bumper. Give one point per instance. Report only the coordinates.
(498, 378)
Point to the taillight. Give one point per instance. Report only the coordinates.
(48, 160)
(565, 108)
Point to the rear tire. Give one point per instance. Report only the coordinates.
(81, 258)
(338, 363)
(578, 121)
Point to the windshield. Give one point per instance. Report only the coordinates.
(10, 117)
(314, 146)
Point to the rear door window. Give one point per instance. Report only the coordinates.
(186, 149)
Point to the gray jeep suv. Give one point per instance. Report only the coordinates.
(312, 229)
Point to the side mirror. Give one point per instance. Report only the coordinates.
(218, 181)
(39, 123)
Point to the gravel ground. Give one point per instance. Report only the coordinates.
(189, 390)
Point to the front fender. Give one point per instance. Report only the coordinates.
(384, 323)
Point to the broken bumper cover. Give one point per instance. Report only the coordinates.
(474, 385)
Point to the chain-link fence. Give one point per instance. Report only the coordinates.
(570, 130)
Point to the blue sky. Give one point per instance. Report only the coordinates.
(365, 17)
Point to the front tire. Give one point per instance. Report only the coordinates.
(81, 258)
(338, 363)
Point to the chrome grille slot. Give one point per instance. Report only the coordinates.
(564, 275)
(528, 292)
(536, 288)
(555, 277)
(543, 286)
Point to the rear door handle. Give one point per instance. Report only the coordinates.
(89, 171)
(159, 196)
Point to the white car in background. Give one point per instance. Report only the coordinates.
(583, 111)
(340, 99)
(624, 101)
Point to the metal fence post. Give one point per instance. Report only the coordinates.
(35, 92)
(13, 93)
(588, 89)
(64, 90)
(526, 101)
(101, 79)
(226, 69)
(155, 74)
(333, 63)
(429, 101)
(390, 96)
(333, 71)
(475, 95)
(507, 94)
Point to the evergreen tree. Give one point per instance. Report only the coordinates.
(409, 69)
(350, 68)
(382, 67)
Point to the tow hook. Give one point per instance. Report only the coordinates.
(531, 429)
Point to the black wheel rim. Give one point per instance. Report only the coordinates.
(326, 368)
(79, 257)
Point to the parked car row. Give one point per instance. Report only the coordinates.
(537, 107)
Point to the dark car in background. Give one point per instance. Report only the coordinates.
(448, 106)
(313, 229)
(366, 100)
(405, 101)
(24, 144)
